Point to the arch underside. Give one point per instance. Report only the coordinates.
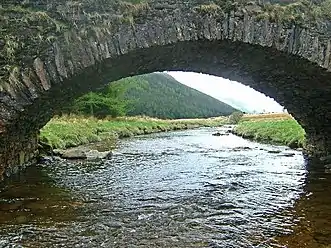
(301, 86)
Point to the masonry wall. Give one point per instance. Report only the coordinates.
(16, 154)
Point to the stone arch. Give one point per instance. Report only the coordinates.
(287, 62)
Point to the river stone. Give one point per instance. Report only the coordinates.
(274, 151)
(220, 134)
(57, 152)
(327, 166)
(74, 154)
(241, 148)
(293, 145)
(286, 154)
(46, 160)
(94, 154)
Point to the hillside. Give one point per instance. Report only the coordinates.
(156, 95)
(160, 95)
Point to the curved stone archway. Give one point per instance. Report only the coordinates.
(86, 46)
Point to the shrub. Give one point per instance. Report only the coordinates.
(235, 117)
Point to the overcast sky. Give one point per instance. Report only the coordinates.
(230, 92)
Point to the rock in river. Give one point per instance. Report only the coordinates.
(220, 134)
(77, 153)
(74, 154)
(94, 154)
(274, 151)
(287, 154)
(241, 148)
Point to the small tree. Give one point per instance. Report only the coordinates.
(235, 117)
(109, 101)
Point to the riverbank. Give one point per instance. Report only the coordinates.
(279, 129)
(71, 131)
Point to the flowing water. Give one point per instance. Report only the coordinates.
(178, 189)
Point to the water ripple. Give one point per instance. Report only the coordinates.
(181, 189)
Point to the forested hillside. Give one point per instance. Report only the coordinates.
(160, 95)
(155, 95)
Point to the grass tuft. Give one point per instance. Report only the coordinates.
(281, 129)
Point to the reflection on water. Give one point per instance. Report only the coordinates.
(182, 189)
(314, 211)
(32, 204)
(33, 198)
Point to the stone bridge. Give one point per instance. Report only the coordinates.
(54, 51)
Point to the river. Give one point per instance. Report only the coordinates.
(176, 189)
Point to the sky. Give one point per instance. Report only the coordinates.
(233, 93)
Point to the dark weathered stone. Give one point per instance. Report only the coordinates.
(70, 49)
(217, 134)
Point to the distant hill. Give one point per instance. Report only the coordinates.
(156, 95)
(160, 95)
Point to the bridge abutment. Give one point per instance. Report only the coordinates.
(16, 153)
(318, 145)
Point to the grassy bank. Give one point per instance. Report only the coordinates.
(71, 131)
(272, 128)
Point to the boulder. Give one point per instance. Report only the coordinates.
(293, 145)
(274, 151)
(220, 134)
(57, 152)
(287, 154)
(74, 154)
(94, 154)
(46, 160)
(83, 153)
(241, 148)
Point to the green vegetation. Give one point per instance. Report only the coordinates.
(211, 8)
(235, 117)
(284, 131)
(69, 131)
(303, 12)
(160, 95)
(108, 102)
(156, 95)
